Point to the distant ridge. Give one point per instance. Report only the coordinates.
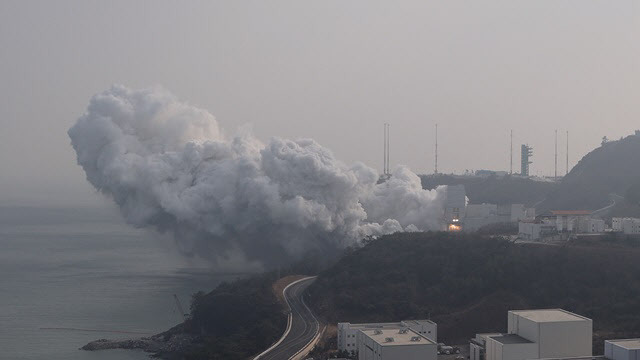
(602, 176)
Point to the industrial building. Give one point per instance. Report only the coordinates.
(568, 220)
(461, 216)
(629, 226)
(535, 230)
(561, 222)
(347, 332)
(536, 334)
(479, 215)
(394, 344)
(624, 349)
(621, 349)
(478, 345)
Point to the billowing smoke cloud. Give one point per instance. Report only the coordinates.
(168, 166)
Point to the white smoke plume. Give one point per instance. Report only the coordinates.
(168, 166)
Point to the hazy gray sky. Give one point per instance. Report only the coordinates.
(334, 71)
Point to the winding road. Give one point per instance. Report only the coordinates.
(303, 327)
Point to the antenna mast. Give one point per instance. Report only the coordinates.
(511, 155)
(384, 154)
(436, 169)
(555, 170)
(385, 163)
(388, 150)
(567, 153)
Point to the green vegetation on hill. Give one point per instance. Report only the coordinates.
(613, 168)
(493, 189)
(236, 320)
(239, 319)
(467, 283)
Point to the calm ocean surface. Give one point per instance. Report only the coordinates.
(64, 272)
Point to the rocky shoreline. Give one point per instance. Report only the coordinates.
(172, 344)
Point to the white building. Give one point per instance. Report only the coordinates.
(479, 215)
(515, 212)
(625, 349)
(557, 333)
(536, 334)
(535, 230)
(590, 226)
(567, 220)
(347, 332)
(478, 345)
(395, 344)
(629, 226)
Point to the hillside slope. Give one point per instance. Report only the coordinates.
(610, 169)
(467, 283)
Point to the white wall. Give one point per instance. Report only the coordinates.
(555, 339)
(493, 350)
(426, 351)
(520, 351)
(529, 231)
(347, 337)
(615, 352)
(565, 339)
(474, 351)
(425, 328)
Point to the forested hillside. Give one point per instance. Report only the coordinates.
(467, 282)
(613, 168)
(236, 320)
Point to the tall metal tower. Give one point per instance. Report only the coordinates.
(555, 169)
(436, 167)
(567, 153)
(385, 166)
(526, 152)
(511, 155)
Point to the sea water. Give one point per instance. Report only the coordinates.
(70, 276)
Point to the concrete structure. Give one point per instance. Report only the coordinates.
(590, 226)
(395, 344)
(558, 333)
(479, 215)
(536, 334)
(567, 220)
(460, 216)
(535, 230)
(478, 345)
(510, 347)
(629, 226)
(621, 349)
(347, 332)
(624, 349)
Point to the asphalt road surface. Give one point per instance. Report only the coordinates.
(304, 325)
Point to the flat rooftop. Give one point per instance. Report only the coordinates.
(570, 212)
(390, 325)
(394, 325)
(417, 322)
(549, 315)
(399, 336)
(629, 344)
(511, 339)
